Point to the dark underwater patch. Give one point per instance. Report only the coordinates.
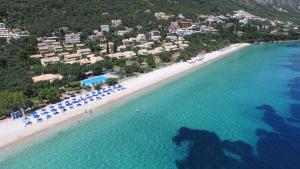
(294, 84)
(278, 149)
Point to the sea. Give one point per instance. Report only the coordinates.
(240, 112)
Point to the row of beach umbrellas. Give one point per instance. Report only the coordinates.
(78, 101)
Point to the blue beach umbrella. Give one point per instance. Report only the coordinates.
(36, 116)
(48, 116)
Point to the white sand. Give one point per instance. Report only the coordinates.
(13, 131)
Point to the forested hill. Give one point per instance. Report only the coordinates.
(44, 16)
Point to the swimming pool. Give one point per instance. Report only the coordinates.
(94, 80)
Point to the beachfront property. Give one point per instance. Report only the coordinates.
(47, 77)
(94, 59)
(50, 48)
(119, 55)
(156, 51)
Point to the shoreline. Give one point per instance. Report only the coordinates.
(13, 132)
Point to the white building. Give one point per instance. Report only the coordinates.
(141, 38)
(162, 15)
(143, 52)
(155, 35)
(72, 57)
(116, 23)
(72, 38)
(104, 28)
(48, 61)
(47, 77)
(14, 33)
(123, 32)
(4, 33)
(84, 52)
(48, 44)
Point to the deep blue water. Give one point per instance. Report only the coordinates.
(242, 112)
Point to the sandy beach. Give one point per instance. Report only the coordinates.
(14, 132)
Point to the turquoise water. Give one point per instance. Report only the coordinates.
(240, 112)
(94, 80)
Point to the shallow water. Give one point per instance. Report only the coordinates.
(240, 112)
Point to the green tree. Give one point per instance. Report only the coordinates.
(87, 87)
(151, 61)
(97, 68)
(98, 86)
(111, 81)
(107, 63)
(74, 84)
(11, 101)
(51, 95)
(165, 56)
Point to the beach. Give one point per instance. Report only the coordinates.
(13, 131)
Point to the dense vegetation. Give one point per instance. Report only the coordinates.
(43, 17)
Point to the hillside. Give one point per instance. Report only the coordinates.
(44, 16)
(284, 4)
